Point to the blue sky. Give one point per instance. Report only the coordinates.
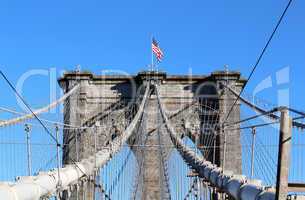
(201, 35)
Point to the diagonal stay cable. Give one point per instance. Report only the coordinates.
(28, 107)
(201, 165)
(260, 57)
(262, 111)
(38, 119)
(190, 190)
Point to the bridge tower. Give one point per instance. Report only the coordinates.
(98, 94)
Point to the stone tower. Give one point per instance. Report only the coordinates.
(99, 93)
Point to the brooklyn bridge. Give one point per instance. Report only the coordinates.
(153, 136)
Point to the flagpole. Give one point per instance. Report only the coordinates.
(152, 54)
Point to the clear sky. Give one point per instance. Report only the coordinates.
(202, 35)
(196, 34)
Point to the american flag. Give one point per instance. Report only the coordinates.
(156, 49)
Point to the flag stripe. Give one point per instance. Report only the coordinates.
(156, 50)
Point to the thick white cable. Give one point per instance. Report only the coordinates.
(44, 120)
(39, 111)
(262, 111)
(46, 184)
(237, 186)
